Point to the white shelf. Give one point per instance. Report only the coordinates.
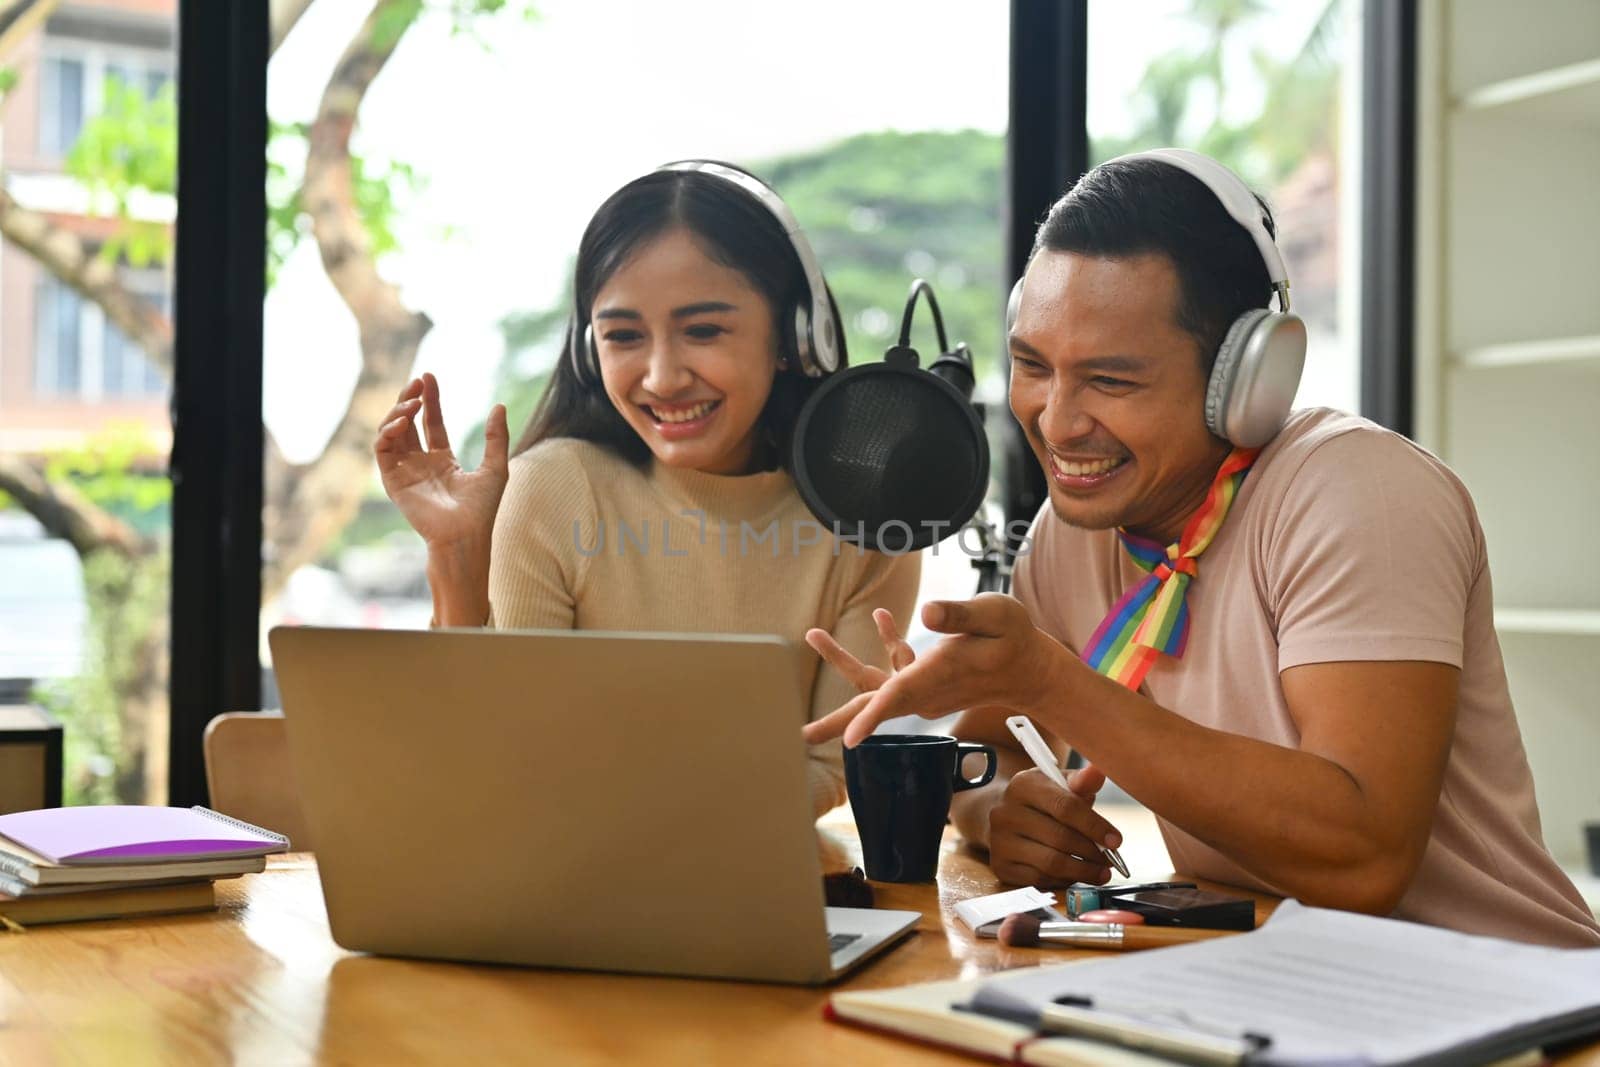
(1508, 349)
(1547, 621)
(1562, 94)
(1559, 350)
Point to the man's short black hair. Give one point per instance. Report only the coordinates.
(1139, 206)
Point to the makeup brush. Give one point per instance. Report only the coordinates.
(1027, 931)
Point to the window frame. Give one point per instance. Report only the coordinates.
(1389, 215)
(218, 438)
(1047, 149)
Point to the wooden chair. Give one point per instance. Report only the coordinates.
(249, 774)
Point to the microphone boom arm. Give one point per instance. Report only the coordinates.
(954, 365)
(920, 287)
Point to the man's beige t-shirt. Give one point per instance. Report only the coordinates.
(1346, 542)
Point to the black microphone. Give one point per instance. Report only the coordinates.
(890, 456)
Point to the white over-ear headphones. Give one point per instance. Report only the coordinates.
(1258, 364)
(818, 341)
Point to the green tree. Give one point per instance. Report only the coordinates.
(1300, 111)
(883, 208)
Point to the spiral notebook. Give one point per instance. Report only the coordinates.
(131, 835)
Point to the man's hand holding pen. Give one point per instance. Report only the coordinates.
(1043, 835)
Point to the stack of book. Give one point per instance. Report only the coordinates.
(66, 864)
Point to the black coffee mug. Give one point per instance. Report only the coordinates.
(900, 787)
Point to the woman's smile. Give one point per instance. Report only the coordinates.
(676, 422)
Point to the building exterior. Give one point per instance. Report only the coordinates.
(65, 372)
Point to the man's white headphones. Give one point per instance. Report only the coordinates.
(1258, 364)
(818, 341)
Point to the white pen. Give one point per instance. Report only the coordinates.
(1027, 735)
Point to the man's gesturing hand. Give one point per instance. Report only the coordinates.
(994, 656)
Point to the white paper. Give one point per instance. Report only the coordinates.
(980, 910)
(1328, 987)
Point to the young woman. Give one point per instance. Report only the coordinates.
(649, 492)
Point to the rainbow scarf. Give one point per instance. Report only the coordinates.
(1153, 617)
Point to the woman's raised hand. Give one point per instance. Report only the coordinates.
(448, 506)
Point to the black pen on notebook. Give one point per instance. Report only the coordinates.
(1027, 735)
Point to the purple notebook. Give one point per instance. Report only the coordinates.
(132, 833)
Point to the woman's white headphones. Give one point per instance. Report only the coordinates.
(817, 338)
(1258, 364)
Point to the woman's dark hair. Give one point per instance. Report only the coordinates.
(1133, 207)
(733, 228)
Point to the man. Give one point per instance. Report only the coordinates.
(1336, 726)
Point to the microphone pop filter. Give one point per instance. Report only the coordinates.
(890, 456)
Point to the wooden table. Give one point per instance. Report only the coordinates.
(260, 981)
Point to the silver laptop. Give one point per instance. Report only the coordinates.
(617, 802)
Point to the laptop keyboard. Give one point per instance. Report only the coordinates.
(839, 941)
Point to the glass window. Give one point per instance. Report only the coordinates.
(126, 369)
(66, 360)
(44, 341)
(155, 382)
(67, 326)
(1268, 89)
(125, 366)
(894, 170)
(59, 339)
(60, 105)
(113, 361)
(85, 407)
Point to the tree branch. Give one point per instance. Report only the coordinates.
(284, 14)
(67, 257)
(64, 512)
(324, 495)
(328, 188)
(19, 19)
(70, 258)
